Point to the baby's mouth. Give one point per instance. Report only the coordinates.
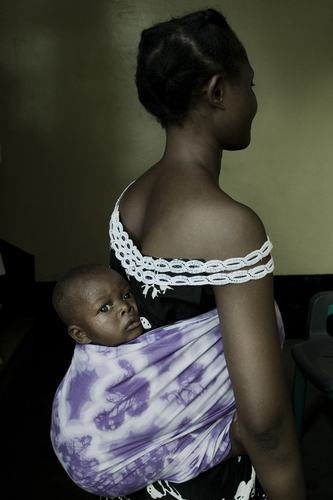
(132, 323)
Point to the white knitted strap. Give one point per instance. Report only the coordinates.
(152, 270)
(149, 278)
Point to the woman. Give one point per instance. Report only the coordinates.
(193, 75)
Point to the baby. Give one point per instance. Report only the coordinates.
(97, 306)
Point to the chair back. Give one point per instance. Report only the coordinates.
(321, 306)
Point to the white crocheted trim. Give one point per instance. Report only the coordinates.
(151, 270)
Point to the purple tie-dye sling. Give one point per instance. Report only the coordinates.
(158, 407)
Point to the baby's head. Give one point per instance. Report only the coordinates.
(97, 306)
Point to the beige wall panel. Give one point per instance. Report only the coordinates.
(73, 133)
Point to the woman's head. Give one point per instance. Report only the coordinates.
(178, 57)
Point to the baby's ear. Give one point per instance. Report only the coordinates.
(78, 335)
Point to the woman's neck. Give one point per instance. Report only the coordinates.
(193, 145)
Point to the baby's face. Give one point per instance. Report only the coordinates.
(107, 310)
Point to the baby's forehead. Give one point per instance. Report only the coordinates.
(101, 275)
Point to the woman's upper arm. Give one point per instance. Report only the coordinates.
(250, 336)
(253, 352)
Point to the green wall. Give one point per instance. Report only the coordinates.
(73, 134)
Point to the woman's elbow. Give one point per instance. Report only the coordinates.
(267, 440)
(266, 435)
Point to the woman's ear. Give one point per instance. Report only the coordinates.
(78, 335)
(215, 91)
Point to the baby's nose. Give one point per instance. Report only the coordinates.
(124, 307)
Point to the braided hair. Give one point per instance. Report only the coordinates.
(176, 58)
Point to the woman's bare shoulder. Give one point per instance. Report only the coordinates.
(192, 219)
(225, 227)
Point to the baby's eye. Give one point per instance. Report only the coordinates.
(128, 295)
(105, 308)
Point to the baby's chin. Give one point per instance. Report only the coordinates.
(128, 337)
(136, 334)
